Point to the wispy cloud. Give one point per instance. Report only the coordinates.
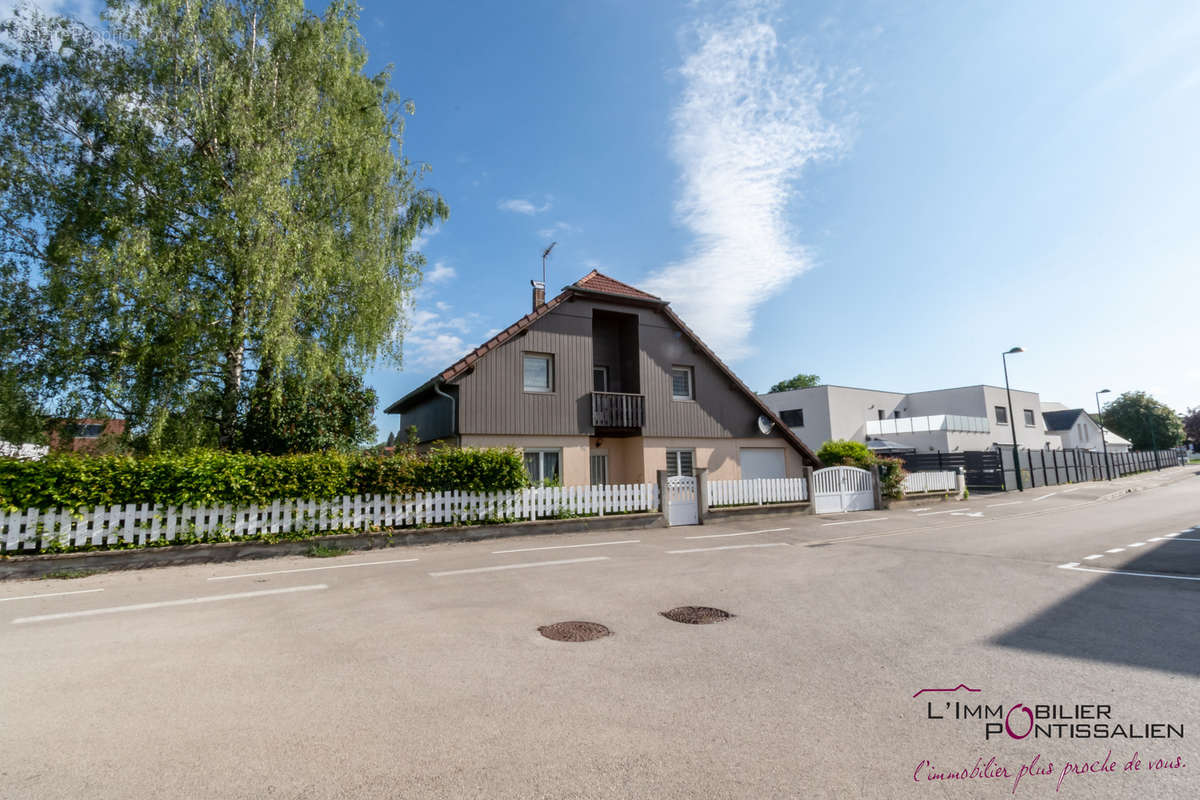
(519, 205)
(441, 273)
(435, 338)
(748, 122)
(557, 229)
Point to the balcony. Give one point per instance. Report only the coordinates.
(616, 410)
(935, 422)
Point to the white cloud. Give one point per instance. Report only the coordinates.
(441, 273)
(748, 122)
(435, 339)
(519, 205)
(558, 229)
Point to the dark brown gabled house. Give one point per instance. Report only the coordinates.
(604, 384)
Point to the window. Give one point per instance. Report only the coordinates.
(681, 383)
(896, 414)
(881, 413)
(539, 372)
(599, 378)
(793, 418)
(543, 465)
(1001, 415)
(89, 431)
(680, 462)
(1029, 423)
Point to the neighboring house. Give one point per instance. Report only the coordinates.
(83, 435)
(942, 420)
(1077, 429)
(603, 384)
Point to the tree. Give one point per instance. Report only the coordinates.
(846, 452)
(801, 381)
(1191, 426)
(210, 193)
(391, 440)
(1144, 421)
(294, 417)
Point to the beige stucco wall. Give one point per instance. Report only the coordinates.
(576, 469)
(718, 456)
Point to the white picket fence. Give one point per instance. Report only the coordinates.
(918, 482)
(757, 491)
(144, 524)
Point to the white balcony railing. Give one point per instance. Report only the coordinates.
(936, 422)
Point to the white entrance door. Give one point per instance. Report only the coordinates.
(681, 501)
(762, 462)
(840, 489)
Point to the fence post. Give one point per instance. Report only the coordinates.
(664, 501)
(878, 488)
(701, 474)
(1054, 458)
(960, 482)
(809, 489)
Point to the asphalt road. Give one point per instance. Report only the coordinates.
(419, 672)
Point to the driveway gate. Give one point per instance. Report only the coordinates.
(681, 501)
(840, 489)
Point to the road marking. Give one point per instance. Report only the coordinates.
(1068, 491)
(1095, 555)
(1170, 535)
(1076, 568)
(1116, 550)
(1155, 539)
(730, 547)
(48, 594)
(1009, 503)
(966, 513)
(854, 521)
(743, 533)
(1043, 497)
(191, 601)
(1068, 565)
(951, 511)
(311, 569)
(564, 546)
(524, 565)
(1185, 540)
(918, 510)
(1138, 544)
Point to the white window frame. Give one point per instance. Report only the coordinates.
(998, 410)
(603, 369)
(541, 454)
(691, 378)
(549, 359)
(1029, 415)
(677, 469)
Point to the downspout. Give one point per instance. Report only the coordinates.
(437, 388)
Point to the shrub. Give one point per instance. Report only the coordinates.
(841, 452)
(891, 477)
(206, 477)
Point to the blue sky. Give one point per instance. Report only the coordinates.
(886, 196)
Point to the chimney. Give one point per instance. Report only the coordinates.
(539, 294)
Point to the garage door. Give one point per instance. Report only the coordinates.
(761, 462)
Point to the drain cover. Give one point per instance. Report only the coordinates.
(696, 615)
(574, 631)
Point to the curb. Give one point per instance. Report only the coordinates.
(35, 566)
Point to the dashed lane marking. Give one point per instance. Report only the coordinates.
(951, 511)
(1043, 497)
(564, 546)
(190, 601)
(1009, 503)
(524, 565)
(312, 569)
(730, 547)
(1094, 555)
(48, 594)
(1074, 566)
(1138, 544)
(854, 521)
(740, 533)
(1116, 550)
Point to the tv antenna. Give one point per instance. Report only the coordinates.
(545, 255)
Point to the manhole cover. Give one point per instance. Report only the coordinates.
(696, 615)
(574, 631)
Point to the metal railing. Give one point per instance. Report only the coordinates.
(618, 410)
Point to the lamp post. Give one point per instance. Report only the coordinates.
(1011, 424)
(1103, 440)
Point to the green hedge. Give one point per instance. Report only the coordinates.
(214, 478)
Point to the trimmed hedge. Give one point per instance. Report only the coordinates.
(206, 477)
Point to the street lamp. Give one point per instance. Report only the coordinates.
(1011, 424)
(1103, 439)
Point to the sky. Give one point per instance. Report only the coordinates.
(886, 196)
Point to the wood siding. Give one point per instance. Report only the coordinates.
(493, 400)
(433, 416)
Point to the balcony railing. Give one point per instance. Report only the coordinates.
(935, 422)
(618, 410)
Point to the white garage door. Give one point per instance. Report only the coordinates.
(761, 462)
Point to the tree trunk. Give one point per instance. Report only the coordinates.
(231, 391)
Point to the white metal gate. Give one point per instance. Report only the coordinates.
(840, 489)
(681, 501)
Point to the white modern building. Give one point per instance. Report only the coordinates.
(1077, 429)
(943, 420)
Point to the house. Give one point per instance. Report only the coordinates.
(604, 384)
(942, 420)
(1077, 429)
(83, 435)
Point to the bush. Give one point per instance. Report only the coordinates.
(891, 477)
(206, 477)
(841, 452)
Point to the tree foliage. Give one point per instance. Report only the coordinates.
(846, 452)
(334, 413)
(208, 193)
(801, 381)
(1144, 421)
(1191, 426)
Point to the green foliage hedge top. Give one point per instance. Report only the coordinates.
(212, 477)
(849, 453)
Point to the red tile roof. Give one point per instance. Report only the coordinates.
(596, 281)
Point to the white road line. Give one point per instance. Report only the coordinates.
(854, 521)
(191, 601)
(1009, 503)
(1068, 491)
(1170, 535)
(564, 546)
(918, 510)
(524, 565)
(1155, 539)
(312, 569)
(1116, 550)
(1138, 544)
(48, 594)
(730, 547)
(1043, 497)
(1185, 540)
(1076, 568)
(742, 533)
(1068, 565)
(1094, 555)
